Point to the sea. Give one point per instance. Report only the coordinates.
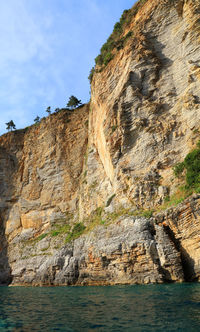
(168, 307)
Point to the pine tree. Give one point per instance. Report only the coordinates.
(73, 102)
(10, 125)
(37, 119)
(48, 110)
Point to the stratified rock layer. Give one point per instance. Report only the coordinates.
(145, 108)
(182, 224)
(133, 250)
(40, 170)
(116, 153)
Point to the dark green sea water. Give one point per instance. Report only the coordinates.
(165, 308)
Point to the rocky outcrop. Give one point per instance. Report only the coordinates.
(183, 227)
(133, 250)
(111, 160)
(138, 250)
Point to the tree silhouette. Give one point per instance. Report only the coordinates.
(10, 125)
(37, 119)
(73, 102)
(48, 110)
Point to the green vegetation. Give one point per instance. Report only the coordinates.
(73, 102)
(61, 225)
(10, 125)
(77, 231)
(60, 229)
(57, 110)
(191, 165)
(41, 237)
(116, 41)
(33, 241)
(178, 197)
(178, 169)
(94, 219)
(37, 120)
(113, 42)
(91, 74)
(48, 110)
(189, 172)
(99, 217)
(147, 213)
(71, 105)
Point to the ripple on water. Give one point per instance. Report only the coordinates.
(118, 308)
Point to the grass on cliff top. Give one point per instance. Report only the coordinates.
(117, 40)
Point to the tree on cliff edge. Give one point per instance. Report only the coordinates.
(48, 110)
(37, 119)
(10, 125)
(73, 102)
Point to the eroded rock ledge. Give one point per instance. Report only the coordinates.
(132, 250)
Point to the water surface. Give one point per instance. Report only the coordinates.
(174, 307)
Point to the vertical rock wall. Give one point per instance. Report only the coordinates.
(40, 172)
(145, 107)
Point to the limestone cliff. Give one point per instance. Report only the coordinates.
(40, 170)
(77, 190)
(145, 104)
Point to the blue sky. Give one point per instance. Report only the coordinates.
(47, 50)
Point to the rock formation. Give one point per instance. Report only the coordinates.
(77, 191)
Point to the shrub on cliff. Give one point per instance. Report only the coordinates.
(191, 165)
(91, 74)
(178, 169)
(56, 110)
(114, 41)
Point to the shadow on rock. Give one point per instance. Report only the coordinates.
(5, 270)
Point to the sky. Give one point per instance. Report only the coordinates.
(47, 50)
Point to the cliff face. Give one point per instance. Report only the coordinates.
(145, 104)
(143, 118)
(40, 174)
